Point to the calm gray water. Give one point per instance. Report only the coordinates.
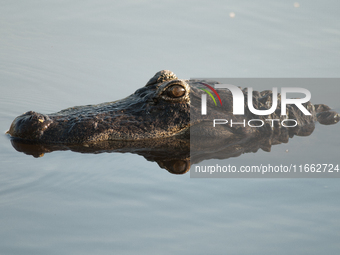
(57, 54)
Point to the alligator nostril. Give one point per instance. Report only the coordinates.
(30, 125)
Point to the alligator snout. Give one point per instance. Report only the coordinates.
(30, 125)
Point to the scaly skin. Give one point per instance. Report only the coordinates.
(160, 109)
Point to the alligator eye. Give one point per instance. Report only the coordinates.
(175, 91)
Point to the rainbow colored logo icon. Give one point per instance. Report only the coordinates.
(209, 93)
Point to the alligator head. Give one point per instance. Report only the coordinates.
(157, 122)
(165, 107)
(159, 109)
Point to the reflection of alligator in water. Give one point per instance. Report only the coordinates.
(157, 121)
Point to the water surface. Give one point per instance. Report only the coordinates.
(59, 54)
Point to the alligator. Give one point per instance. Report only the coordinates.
(160, 109)
(157, 122)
